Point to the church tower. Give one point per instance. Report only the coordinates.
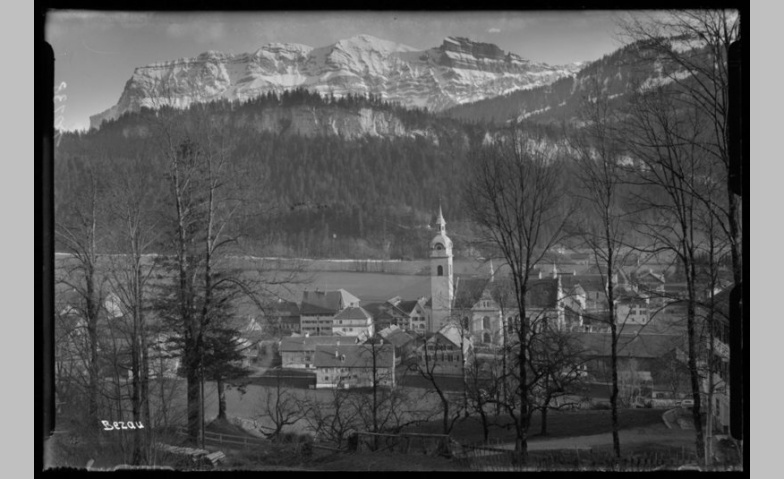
(441, 285)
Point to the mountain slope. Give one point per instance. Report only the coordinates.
(617, 74)
(455, 72)
(304, 192)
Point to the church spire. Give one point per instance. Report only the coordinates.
(440, 220)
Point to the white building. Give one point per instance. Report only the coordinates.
(441, 274)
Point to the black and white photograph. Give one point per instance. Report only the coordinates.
(398, 241)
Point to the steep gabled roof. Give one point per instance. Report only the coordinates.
(385, 310)
(542, 293)
(395, 336)
(407, 306)
(451, 333)
(326, 302)
(353, 356)
(589, 282)
(469, 290)
(354, 312)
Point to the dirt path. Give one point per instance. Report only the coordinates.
(657, 433)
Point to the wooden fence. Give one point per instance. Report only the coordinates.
(229, 439)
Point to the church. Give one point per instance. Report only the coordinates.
(472, 302)
(483, 307)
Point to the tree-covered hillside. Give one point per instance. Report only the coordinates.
(617, 73)
(317, 196)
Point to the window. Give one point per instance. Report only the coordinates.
(440, 270)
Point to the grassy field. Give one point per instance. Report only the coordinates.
(559, 424)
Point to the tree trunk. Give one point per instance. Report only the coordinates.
(522, 430)
(446, 415)
(485, 426)
(194, 402)
(146, 416)
(693, 372)
(136, 410)
(543, 431)
(221, 398)
(614, 393)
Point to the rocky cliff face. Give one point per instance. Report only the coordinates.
(311, 122)
(456, 72)
(317, 121)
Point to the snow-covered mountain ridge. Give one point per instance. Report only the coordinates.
(456, 72)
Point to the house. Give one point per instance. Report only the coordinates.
(548, 306)
(654, 353)
(590, 288)
(353, 321)
(416, 311)
(297, 352)
(446, 352)
(318, 310)
(354, 365)
(631, 308)
(387, 314)
(717, 356)
(478, 310)
(403, 343)
(284, 317)
(650, 284)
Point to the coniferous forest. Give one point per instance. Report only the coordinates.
(313, 196)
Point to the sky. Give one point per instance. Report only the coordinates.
(96, 52)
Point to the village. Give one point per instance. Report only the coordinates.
(409, 241)
(462, 338)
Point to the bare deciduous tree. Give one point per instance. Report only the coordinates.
(603, 229)
(79, 230)
(516, 196)
(663, 135)
(281, 408)
(132, 213)
(557, 359)
(432, 356)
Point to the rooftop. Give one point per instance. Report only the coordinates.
(353, 356)
(326, 302)
(309, 343)
(354, 312)
(468, 291)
